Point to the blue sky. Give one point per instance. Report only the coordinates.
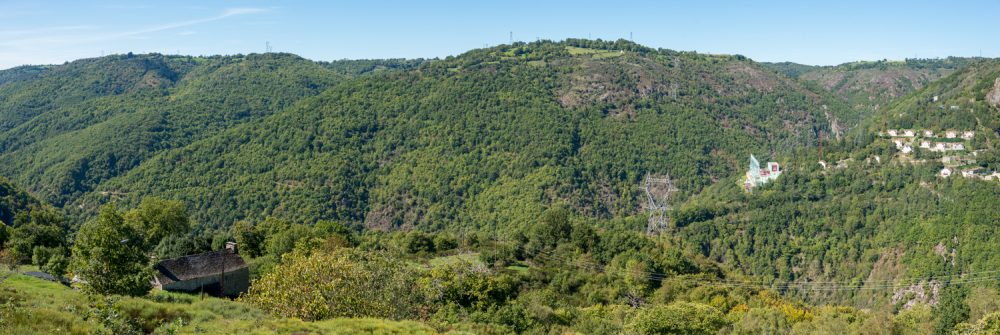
(46, 32)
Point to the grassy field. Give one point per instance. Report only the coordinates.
(33, 306)
(594, 53)
(472, 257)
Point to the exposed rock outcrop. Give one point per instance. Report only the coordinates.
(993, 97)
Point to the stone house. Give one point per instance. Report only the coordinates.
(220, 273)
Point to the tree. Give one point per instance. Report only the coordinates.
(281, 242)
(158, 218)
(766, 320)
(469, 285)
(174, 246)
(678, 318)
(341, 283)
(553, 228)
(39, 227)
(248, 239)
(951, 310)
(109, 255)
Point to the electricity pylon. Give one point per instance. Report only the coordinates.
(658, 192)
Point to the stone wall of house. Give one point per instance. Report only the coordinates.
(235, 282)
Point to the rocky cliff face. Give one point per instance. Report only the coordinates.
(993, 97)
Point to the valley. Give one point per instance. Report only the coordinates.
(503, 190)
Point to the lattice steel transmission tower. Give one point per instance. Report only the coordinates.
(658, 192)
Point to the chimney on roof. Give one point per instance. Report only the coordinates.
(231, 247)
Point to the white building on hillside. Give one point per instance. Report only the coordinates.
(946, 172)
(757, 176)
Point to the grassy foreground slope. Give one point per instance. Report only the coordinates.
(33, 306)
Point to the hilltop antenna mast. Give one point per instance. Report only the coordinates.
(267, 46)
(512, 37)
(630, 37)
(658, 192)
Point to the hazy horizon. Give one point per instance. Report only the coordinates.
(779, 31)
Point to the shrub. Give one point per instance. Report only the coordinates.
(341, 283)
(678, 318)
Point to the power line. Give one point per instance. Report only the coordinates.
(966, 278)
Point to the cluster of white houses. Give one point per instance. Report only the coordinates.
(907, 147)
(903, 139)
(964, 134)
(976, 172)
(949, 141)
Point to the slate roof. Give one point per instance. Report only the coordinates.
(197, 266)
(42, 275)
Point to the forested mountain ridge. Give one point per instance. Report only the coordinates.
(67, 128)
(492, 136)
(960, 101)
(871, 85)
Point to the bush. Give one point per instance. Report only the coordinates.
(678, 318)
(341, 283)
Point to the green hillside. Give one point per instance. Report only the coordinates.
(492, 136)
(956, 102)
(13, 201)
(501, 191)
(71, 127)
(874, 85)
